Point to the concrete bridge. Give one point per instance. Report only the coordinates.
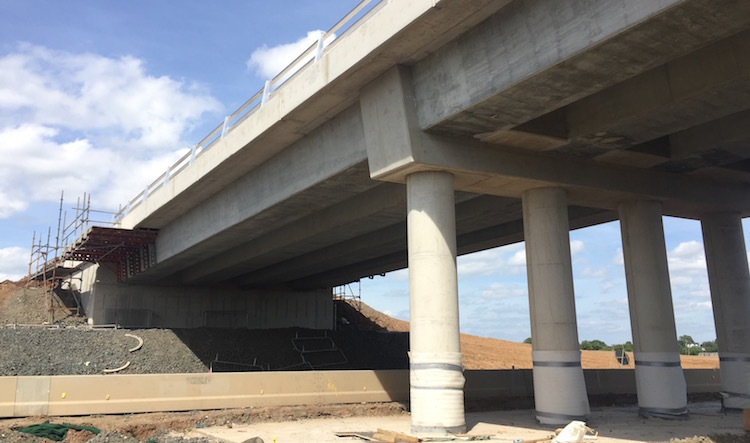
(433, 128)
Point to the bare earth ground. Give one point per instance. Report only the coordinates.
(370, 340)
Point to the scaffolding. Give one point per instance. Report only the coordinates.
(81, 240)
(346, 293)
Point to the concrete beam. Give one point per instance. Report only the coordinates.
(730, 134)
(350, 218)
(707, 84)
(314, 95)
(527, 60)
(388, 103)
(484, 168)
(334, 148)
(467, 242)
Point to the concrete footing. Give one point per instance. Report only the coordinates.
(659, 378)
(729, 279)
(559, 388)
(436, 372)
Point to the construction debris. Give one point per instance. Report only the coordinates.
(54, 432)
(111, 371)
(394, 437)
(140, 342)
(386, 436)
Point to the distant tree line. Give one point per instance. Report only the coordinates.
(687, 345)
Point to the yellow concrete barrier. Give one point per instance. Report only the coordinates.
(121, 394)
(117, 394)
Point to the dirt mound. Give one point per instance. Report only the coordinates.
(491, 353)
(7, 288)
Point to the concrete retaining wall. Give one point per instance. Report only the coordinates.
(106, 302)
(119, 394)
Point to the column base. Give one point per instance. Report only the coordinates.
(735, 379)
(660, 383)
(437, 430)
(667, 414)
(559, 387)
(436, 393)
(553, 418)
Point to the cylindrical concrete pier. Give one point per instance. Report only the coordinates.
(559, 388)
(660, 382)
(729, 279)
(436, 371)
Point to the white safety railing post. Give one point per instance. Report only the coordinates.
(224, 128)
(192, 154)
(266, 91)
(319, 50)
(166, 176)
(145, 195)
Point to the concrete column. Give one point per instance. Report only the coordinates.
(660, 383)
(729, 280)
(559, 387)
(436, 372)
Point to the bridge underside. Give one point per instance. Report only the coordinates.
(360, 236)
(610, 102)
(466, 124)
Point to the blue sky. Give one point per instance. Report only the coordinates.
(102, 96)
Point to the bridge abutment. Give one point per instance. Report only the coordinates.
(105, 301)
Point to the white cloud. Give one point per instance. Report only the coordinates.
(15, 263)
(687, 256)
(84, 122)
(268, 62)
(618, 258)
(400, 275)
(480, 263)
(518, 259)
(498, 290)
(576, 247)
(505, 260)
(594, 273)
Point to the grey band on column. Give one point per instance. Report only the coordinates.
(443, 366)
(741, 359)
(735, 394)
(663, 412)
(558, 364)
(663, 364)
(561, 416)
(416, 429)
(437, 388)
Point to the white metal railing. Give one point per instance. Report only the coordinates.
(361, 13)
